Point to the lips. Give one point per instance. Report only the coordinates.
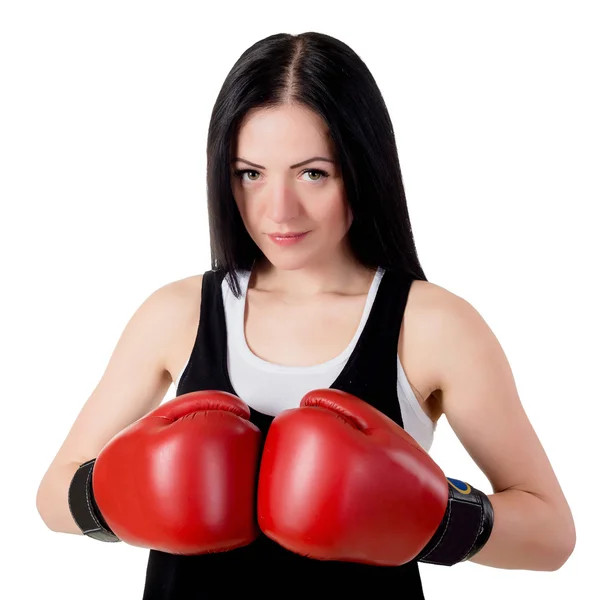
(287, 239)
(287, 235)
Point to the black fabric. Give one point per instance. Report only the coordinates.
(263, 568)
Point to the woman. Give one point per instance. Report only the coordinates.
(315, 284)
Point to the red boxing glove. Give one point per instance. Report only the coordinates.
(341, 481)
(182, 479)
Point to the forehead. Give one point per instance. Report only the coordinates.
(281, 129)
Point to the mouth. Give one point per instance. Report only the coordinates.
(287, 238)
(288, 234)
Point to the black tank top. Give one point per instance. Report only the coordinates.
(263, 568)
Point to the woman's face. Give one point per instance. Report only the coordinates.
(280, 186)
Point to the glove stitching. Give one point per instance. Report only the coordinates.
(424, 558)
(88, 487)
(481, 513)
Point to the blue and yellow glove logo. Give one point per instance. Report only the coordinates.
(460, 486)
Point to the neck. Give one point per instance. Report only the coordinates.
(341, 275)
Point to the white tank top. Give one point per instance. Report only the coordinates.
(271, 388)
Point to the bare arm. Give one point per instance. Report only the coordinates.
(134, 383)
(533, 525)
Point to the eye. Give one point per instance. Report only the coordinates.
(322, 174)
(239, 173)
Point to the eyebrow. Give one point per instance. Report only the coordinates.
(304, 162)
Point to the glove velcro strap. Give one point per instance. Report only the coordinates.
(83, 506)
(465, 528)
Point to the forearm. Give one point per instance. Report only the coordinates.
(527, 534)
(52, 499)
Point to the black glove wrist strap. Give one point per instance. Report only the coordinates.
(83, 507)
(465, 528)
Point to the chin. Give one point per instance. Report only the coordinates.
(290, 260)
(288, 263)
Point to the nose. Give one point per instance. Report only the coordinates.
(282, 203)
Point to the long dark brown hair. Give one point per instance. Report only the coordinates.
(328, 77)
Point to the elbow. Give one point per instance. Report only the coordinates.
(41, 504)
(564, 548)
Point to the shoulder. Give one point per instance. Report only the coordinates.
(442, 328)
(437, 307)
(174, 312)
(176, 295)
(181, 298)
(175, 305)
(456, 343)
(432, 310)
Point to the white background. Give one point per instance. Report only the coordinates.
(104, 110)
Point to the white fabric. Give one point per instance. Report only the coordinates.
(270, 388)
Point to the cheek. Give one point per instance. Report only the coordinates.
(339, 212)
